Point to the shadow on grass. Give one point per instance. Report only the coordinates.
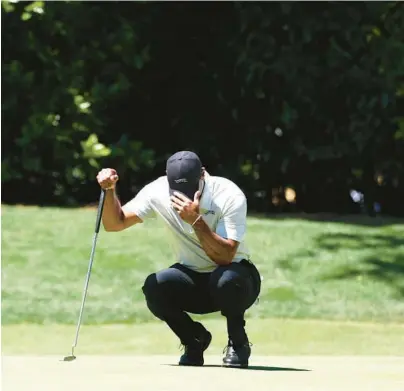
(386, 264)
(391, 272)
(380, 243)
(250, 368)
(350, 219)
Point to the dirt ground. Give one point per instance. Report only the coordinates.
(156, 373)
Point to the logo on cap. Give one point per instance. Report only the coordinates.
(181, 180)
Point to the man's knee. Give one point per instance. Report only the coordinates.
(151, 286)
(156, 295)
(227, 284)
(164, 284)
(232, 289)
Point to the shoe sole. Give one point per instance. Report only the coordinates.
(224, 365)
(191, 365)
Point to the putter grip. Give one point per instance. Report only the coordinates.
(99, 212)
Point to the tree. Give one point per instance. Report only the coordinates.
(273, 95)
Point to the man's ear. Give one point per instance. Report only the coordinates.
(203, 172)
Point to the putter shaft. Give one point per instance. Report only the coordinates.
(90, 265)
(85, 290)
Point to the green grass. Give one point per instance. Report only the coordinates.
(352, 270)
(269, 337)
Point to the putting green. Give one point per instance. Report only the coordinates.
(158, 373)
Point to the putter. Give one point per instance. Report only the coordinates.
(97, 229)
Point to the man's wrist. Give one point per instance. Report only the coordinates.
(196, 220)
(199, 224)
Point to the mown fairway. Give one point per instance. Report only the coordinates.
(283, 337)
(352, 270)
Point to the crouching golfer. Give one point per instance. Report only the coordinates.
(206, 216)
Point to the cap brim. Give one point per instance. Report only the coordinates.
(187, 191)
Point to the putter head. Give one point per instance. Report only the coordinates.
(72, 357)
(69, 358)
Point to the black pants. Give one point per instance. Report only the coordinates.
(172, 293)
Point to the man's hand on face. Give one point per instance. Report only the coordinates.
(186, 208)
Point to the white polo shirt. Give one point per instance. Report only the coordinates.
(223, 206)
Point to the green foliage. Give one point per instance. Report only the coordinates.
(270, 94)
(58, 88)
(92, 150)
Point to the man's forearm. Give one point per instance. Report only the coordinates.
(112, 216)
(218, 249)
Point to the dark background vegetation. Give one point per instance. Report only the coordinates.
(274, 95)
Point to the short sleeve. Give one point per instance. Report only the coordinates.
(232, 224)
(141, 204)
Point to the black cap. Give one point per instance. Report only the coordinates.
(184, 170)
